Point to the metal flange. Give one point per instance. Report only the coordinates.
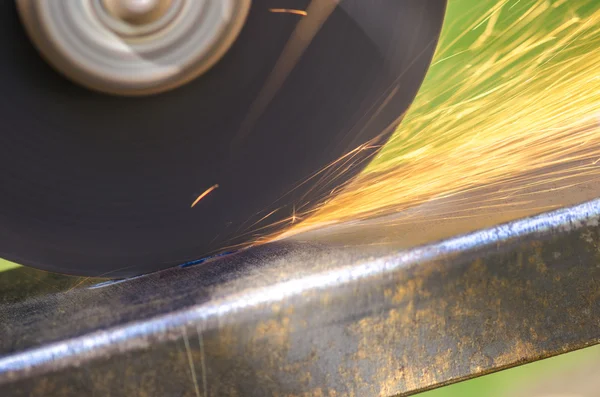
(133, 47)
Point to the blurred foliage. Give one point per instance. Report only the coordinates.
(6, 265)
(507, 383)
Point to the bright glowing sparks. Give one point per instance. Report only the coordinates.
(288, 11)
(511, 101)
(206, 193)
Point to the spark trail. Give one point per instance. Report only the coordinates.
(510, 102)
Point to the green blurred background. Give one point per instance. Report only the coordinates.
(5, 265)
(517, 381)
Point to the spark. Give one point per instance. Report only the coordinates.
(206, 193)
(288, 11)
(299, 41)
(263, 218)
(294, 217)
(518, 113)
(515, 4)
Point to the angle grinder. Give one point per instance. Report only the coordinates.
(138, 135)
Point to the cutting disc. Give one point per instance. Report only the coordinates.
(100, 178)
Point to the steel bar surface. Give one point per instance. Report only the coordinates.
(311, 318)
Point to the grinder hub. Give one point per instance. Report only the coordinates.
(133, 47)
(138, 12)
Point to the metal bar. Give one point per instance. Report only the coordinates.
(300, 319)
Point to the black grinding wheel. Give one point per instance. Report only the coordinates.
(96, 184)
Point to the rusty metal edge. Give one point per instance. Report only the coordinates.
(241, 307)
